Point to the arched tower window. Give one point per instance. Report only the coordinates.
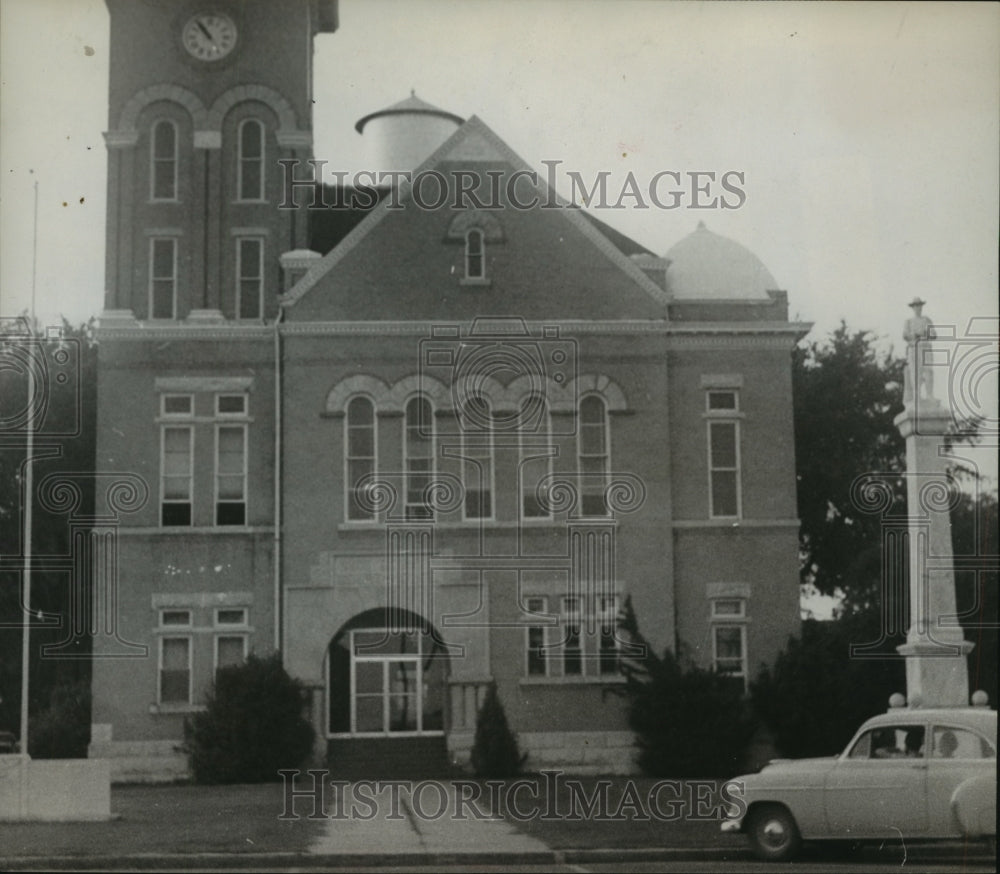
(475, 254)
(477, 454)
(360, 456)
(163, 161)
(250, 160)
(594, 452)
(418, 448)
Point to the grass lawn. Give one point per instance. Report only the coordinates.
(171, 819)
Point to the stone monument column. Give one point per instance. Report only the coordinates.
(935, 650)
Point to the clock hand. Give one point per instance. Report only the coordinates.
(205, 30)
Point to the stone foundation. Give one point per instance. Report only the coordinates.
(574, 752)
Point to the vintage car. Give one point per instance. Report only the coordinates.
(908, 773)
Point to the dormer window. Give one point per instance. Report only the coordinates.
(475, 254)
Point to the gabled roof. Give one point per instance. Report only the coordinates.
(476, 142)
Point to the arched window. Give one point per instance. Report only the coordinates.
(418, 454)
(250, 162)
(594, 452)
(359, 456)
(537, 452)
(477, 455)
(475, 254)
(163, 161)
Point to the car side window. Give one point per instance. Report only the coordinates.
(958, 743)
(890, 742)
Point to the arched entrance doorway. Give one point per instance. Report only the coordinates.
(384, 680)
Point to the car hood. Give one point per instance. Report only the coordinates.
(777, 769)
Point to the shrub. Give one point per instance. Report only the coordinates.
(495, 753)
(252, 727)
(62, 730)
(689, 722)
(815, 695)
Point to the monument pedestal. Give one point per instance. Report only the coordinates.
(935, 649)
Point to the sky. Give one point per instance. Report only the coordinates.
(867, 134)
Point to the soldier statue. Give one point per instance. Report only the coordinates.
(918, 382)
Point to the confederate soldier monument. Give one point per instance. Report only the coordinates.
(935, 650)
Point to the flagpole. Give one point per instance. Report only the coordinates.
(29, 488)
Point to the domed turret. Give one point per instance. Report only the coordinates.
(707, 266)
(401, 136)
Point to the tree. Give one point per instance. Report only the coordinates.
(65, 365)
(495, 753)
(252, 726)
(689, 722)
(846, 395)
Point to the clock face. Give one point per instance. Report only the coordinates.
(209, 36)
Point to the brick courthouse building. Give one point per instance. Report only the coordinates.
(417, 448)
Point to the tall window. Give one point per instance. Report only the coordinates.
(729, 637)
(163, 278)
(231, 475)
(475, 254)
(163, 161)
(419, 457)
(249, 277)
(537, 654)
(594, 454)
(477, 452)
(723, 454)
(360, 440)
(607, 621)
(536, 456)
(176, 475)
(572, 639)
(175, 670)
(250, 162)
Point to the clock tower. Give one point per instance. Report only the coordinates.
(205, 97)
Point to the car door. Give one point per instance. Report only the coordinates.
(879, 786)
(959, 756)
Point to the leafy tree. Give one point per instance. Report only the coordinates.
(252, 727)
(495, 753)
(846, 395)
(689, 722)
(66, 444)
(62, 730)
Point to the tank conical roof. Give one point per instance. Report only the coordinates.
(412, 105)
(707, 266)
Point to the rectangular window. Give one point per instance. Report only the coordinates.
(607, 617)
(175, 618)
(175, 670)
(721, 400)
(729, 649)
(177, 405)
(537, 655)
(230, 474)
(230, 650)
(176, 475)
(231, 616)
(724, 469)
(249, 277)
(572, 638)
(230, 406)
(163, 278)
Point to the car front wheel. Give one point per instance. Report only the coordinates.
(773, 833)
